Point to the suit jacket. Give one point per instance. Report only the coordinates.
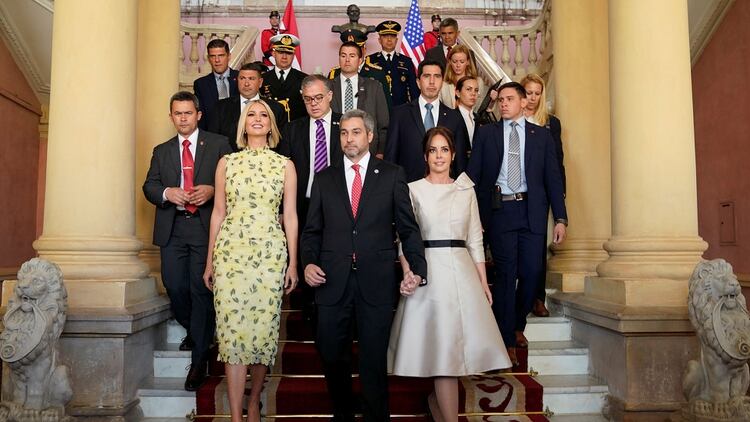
(226, 115)
(436, 53)
(370, 98)
(542, 173)
(208, 95)
(401, 75)
(166, 171)
(286, 93)
(553, 124)
(332, 235)
(295, 144)
(405, 134)
(370, 70)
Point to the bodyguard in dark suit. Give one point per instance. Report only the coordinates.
(514, 166)
(283, 82)
(219, 84)
(351, 91)
(367, 69)
(399, 68)
(227, 112)
(348, 249)
(448, 38)
(180, 182)
(410, 121)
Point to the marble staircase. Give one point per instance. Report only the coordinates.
(569, 391)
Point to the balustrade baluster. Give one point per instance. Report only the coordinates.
(181, 52)
(493, 42)
(519, 70)
(194, 57)
(505, 55)
(533, 66)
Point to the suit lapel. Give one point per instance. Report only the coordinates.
(500, 146)
(530, 137)
(417, 115)
(174, 157)
(361, 93)
(334, 150)
(343, 191)
(442, 115)
(306, 150)
(371, 179)
(199, 152)
(336, 102)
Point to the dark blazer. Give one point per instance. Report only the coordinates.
(332, 235)
(543, 178)
(165, 171)
(405, 134)
(370, 98)
(287, 92)
(436, 53)
(556, 130)
(208, 95)
(226, 115)
(401, 75)
(295, 144)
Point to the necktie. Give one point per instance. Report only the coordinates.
(348, 96)
(281, 75)
(449, 51)
(388, 57)
(429, 120)
(514, 159)
(222, 88)
(187, 173)
(321, 159)
(356, 189)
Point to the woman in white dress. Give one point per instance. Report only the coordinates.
(446, 329)
(460, 63)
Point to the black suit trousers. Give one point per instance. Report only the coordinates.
(334, 342)
(183, 261)
(519, 255)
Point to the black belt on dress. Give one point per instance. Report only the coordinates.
(444, 243)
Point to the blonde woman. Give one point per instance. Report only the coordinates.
(460, 64)
(251, 260)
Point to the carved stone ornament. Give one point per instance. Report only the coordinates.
(715, 386)
(34, 320)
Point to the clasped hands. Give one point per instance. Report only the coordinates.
(410, 283)
(198, 196)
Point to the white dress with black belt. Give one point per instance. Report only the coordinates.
(447, 328)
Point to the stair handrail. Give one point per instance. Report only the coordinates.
(241, 39)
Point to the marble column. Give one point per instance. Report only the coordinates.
(655, 244)
(581, 78)
(157, 79)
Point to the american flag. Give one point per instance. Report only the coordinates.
(412, 44)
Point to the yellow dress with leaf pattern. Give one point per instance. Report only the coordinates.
(249, 259)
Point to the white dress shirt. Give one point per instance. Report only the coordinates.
(313, 139)
(468, 116)
(193, 138)
(435, 108)
(502, 178)
(278, 74)
(355, 90)
(349, 172)
(244, 101)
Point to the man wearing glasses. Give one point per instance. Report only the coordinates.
(312, 144)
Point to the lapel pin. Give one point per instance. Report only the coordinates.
(201, 143)
(376, 171)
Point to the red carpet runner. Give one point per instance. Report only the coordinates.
(408, 396)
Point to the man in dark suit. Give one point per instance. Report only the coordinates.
(410, 121)
(182, 188)
(217, 85)
(226, 114)
(448, 39)
(399, 68)
(352, 91)
(367, 69)
(514, 166)
(348, 250)
(283, 82)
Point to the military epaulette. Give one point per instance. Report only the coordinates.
(332, 73)
(371, 64)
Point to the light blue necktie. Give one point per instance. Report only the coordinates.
(429, 121)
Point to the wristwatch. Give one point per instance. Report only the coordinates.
(563, 221)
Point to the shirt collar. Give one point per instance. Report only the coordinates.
(193, 138)
(326, 117)
(521, 122)
(435, 103)
(225, 74)
(255, 98)
(363, 162)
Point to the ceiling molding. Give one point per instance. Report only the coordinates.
(20, 50)
(706, 27)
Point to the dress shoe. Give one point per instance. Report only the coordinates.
(186, 344)
(196, 376)
(512, 356)
(539, 309)
(521, 340)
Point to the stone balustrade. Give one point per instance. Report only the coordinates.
(192, 49)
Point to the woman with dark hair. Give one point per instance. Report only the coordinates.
(467, 91)
(446, 330)
(251, 259)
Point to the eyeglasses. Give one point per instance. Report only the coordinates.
(313, 100)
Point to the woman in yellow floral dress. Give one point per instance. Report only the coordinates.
(251, 261)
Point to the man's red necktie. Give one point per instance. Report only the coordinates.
(356, 189)
(187, 173)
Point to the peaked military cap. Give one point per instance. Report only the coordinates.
(274, 14)
(435, 18)
(388, 28)
(354, 35)
(285, 43)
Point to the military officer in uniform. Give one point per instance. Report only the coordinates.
(398, 67)
(432, 38)
(265, 37)
(367, 69)
(283, 83)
